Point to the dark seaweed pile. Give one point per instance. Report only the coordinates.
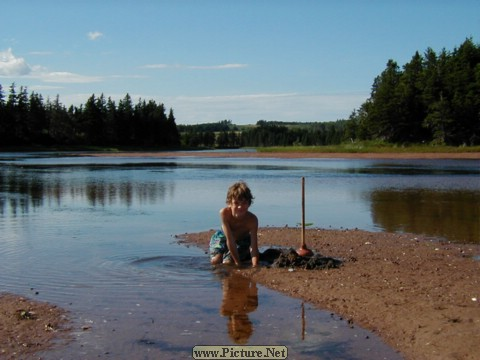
(288, 258)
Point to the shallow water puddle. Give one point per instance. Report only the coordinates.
(180, 302)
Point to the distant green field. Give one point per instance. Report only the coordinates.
(372, 148)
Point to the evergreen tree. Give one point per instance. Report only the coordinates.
(3, 117)
(434, 98)
(36, 123)
(8, 119)
(174, 137)
(465, 93)
(111, 137)
(60, 128)
(93, 119)
(412, 111)
(124, 121)
(20, 115)
(384, 115)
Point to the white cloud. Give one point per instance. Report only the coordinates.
(128, 77)
(249, 108)
(218, 67)
(40, 53)
(39, 88)
(11, 65)
(194, 67)
(161, 66)
(74, 99)
(94, 35)
(67, 77)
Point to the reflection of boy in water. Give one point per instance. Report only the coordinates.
(237, 241)
(240, 296)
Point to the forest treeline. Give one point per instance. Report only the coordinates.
(434, 99)
(26, 120)
(225, 134)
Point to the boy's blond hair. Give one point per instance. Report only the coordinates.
(239, 191)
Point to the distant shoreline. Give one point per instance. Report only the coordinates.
(290, 155)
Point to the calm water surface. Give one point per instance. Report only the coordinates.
(97, 237)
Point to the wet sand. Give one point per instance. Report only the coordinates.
(420, 295)
(28, 326)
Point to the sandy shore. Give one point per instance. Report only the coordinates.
(420, 295)
(28, 326)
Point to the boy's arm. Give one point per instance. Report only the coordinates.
(231, 244)
(254, 242)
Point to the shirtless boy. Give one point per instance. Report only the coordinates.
(237, 241)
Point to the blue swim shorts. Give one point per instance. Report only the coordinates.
(218, 245)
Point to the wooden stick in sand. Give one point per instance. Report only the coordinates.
(303, 250)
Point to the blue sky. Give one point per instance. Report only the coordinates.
(210, 60)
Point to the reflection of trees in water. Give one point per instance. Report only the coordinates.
(126, 192)
(240, 297)
(454, 214)
(22, 191)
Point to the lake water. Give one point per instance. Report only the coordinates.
(97, 237)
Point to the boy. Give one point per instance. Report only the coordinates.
(237, 241)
